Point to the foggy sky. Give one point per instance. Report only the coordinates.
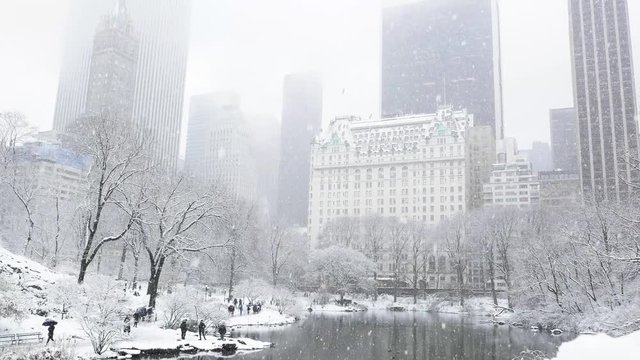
(248, 45)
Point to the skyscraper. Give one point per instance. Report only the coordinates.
(112, 77)
(83, 20)
(564, 147)
(604, 97)
(162, 27)
(218, 144)
(443, 51)
(301, 120)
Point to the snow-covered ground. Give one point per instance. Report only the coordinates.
(337, 308)
(266, 317)
(476, 306)
(601, 346)
(153, 338)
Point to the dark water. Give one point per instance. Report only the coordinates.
(391, 335)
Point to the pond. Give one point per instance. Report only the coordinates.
(396, 335)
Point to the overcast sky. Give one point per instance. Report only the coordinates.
(248, 45)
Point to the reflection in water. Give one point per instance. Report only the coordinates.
(381, 335)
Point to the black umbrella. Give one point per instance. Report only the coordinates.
(49, 322)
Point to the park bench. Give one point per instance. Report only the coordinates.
(29, 337)
(20, 338)
(7, 339)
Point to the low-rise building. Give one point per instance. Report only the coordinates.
(512, 184)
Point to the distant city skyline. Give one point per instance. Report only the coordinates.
(338, 38)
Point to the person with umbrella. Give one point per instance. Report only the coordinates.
(52, 326)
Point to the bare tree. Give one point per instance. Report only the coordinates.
(176, 220)
(502, 225)
(399, 240)
(343, 231)
(454, 233)
(374, 232)
(417, 235)
(117, 159)
(280, 249)
(239, 229)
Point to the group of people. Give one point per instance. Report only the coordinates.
(138, 315)
(202, 327)
(237, 303)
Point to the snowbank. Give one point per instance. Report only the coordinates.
(153, 340)
(601, 346)
(266, 317)
(337, 308)
(28, 274)
(476, 306)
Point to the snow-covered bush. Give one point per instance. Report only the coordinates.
(252, 289)
(282, 298)
(341, 270)
(63, 296)
(63, 352)
(176, 307)
(13, 304)
(101, 314)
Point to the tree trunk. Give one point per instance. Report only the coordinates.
(154, 280)
(84, 260)
(134, 282)
(123, 259)
(492, 278)
(29, 237)
(232, 271)
(375, 285)
(99, 261)
(83, 270)
(415, 282)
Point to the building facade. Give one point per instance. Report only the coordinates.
(539, 156)
(481, 155)
(218, 144)
(53, 181)
(512, 184)
(443, 52)
(410, 167)
(564, 142)
(162, 27)
(604, 96)
(112, 77)
(301, 120)
(559, 188)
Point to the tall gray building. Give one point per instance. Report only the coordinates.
(604, 97)
(162, 27)
(564, 147)
(112, 77)
(443, 51)
(301, 120)
(218, 144)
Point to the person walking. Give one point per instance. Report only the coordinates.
(183, 328)
(235, 301)
(240, 306)
(248, 308)
(222, 329)
(231, 309)
(127, 325)
(136, 319)
(201, 328)
(51, 329)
